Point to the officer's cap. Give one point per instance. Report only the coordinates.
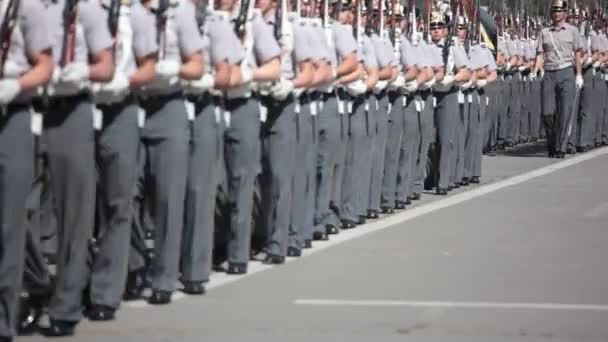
(559, 5)
(437, 20)
(462, 22)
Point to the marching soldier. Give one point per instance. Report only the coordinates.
(601, 122)
(26, 64)
(559, 55)
(463, 135)
(117, 149)
(331, 151)
(165, 136)
(221, 50)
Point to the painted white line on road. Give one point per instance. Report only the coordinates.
(598, 211)
(452, 305)
(221, 279)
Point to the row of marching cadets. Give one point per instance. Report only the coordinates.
(184, 137)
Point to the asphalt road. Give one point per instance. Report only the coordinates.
(515, 259)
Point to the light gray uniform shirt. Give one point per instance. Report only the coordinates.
(92, 36)
(558, 44)
(30, 36)
(301, 50)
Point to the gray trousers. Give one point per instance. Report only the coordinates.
(446, 114)
(477, 134)
(525, 110)
(587, 110)
(357, 134)
(17, 164)
(278, 166)
(494, 92)
(69, 137)
(305, 170)
(117, 149)
(601, 131)
(535, 112)
(365, 168)
(558, 93)
(340, 166)
(505, 109)
(378, 151)
(204, 169)
(242, 157)
(513, 116)
(166, 138)
(392, 150)
(473, 135)
(461, 137)
(427, 131)
(410, 146)
(327, 161)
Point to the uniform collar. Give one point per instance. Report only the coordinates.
(561, 27)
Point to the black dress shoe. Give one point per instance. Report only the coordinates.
(319, 236)
(582, 149)
(330, 229)
(294, 252)
(196, 288)
(450, 188)
(500, 147)
(236, 268)
(348, 224)
(465, 181)
(272, 259)
(388, 211)
(509, 144)
(30, 311)
(534, 139)
(160, 297)
(571, 150)
(361, 219)
(372, 214)
(475, 180)
(59, 329)
(101, 313)
(560, 155)
(457, 185)
(415, 196)
(307, 244)
(441, 192)
(399, 205)
(6, 339)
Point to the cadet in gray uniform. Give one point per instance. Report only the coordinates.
(601, 125)
(558, 52)
(379, 119)
(69, 138)
(117, 150)
(279, 137)
(27, 65)
(589, 94)
(515, 98)
(454, 70)
(261, 63)
(468, 109)
(221, 49)
(166, 138)
(535, 86)
(332, 121)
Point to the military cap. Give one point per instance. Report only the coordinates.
(559, 5)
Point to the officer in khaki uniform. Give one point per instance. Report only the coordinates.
(558, 54)
(27, 64)
(117, 149)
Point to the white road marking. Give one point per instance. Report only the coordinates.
(220, 279)
(452, 305)
(598, 211)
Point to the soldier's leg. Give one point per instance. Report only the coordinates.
(70, 139)
(587, 108)
(168, 133)
(462, 168)
(503, 117)
(392, 151)
(378, 160)
(201, 191)
(16, 161)
(368, 149)
(300, 203)
(340, 165)
(549, 108)
(327, 156)
(473, 136)
(411, 142)
(350, 190)
(117, 148)
(566, 109)
(445, 114)
(242, 156)
(311, 167)
(479, 145)
(426, 120)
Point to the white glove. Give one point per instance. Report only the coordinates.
(281, 89)
(399, 82)
(533, 75)
(246, 73)
(523, 67)
(119, 84)
(204, 84)
(297, 92)
(74, 73)
(411, 86)
(481, 83)
(429, 84)
(579, 81)
(466, 85)
(380, 85)
(596, 64)
(356, 88)
(508, 66)
(9, 89)
(542, 74)
(447, 80)
(588, 61)
(167, 69)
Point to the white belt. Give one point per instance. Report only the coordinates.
(238, 93)
(560, 67)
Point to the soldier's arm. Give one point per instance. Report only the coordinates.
(38, 47)
(348, 65)
(269, 71)
(492, 76)
(145, 71)
(439, 73)
(353, 76)
(372, 77)
(193, 67)
(144, 47)
(322, 72)
(99, 41)
(540, 63)
(411, 73)
(305, 75)
(221, 78)
(385, 73)
(578, 62)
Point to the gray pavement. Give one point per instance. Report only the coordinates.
(540, 241)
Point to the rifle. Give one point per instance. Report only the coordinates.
(6, 31)
(242, 25)
(69, 32)
(369, 27)
(113, 17)
(381, 18)
(161, 26)
(202, 8)
(447, 47)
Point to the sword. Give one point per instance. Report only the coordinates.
(573, 113)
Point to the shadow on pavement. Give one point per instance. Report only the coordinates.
(531, 150)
